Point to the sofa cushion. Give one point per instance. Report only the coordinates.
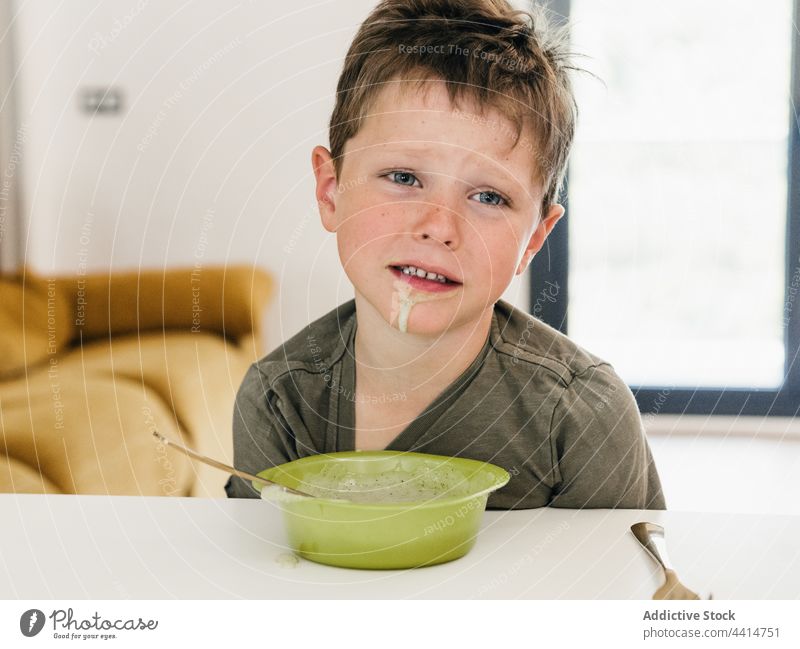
(226, 301)
(90, 365)
(18, 477)
(196, 375)
(92, 435)
(35, 323)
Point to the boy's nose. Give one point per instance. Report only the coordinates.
(439, 223)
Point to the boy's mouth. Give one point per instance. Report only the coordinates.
(424, 279)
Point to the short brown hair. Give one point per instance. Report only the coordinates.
(484, 50)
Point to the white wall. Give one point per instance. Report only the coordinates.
(209, 160)
(11, 142)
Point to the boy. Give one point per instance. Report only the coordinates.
(449, 141)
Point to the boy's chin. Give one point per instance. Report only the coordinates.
(439, 320)
(429, 318)
(428, 323)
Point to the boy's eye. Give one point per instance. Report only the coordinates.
(403, 177)
(409, 180)
(491, 198)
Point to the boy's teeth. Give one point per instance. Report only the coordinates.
(419, 272)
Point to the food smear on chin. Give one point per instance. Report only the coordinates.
(404, 297)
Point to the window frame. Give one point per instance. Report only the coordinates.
(551, 267)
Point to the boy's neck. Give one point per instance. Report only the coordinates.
(417, 366)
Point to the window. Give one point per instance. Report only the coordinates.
(679, 259)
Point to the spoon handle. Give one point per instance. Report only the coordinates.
(219, 465)
(651, 536)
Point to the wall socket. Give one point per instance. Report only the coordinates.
(106, 100)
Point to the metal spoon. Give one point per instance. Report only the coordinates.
(225, 467)
(651, 536)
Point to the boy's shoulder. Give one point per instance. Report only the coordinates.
(526, 340)
(315, 347)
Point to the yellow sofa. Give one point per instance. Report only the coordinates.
(90, 365)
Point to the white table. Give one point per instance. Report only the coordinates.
(98, 547)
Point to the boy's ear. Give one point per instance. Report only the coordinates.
(325, 174)
(543, 228)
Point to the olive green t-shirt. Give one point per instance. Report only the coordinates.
(557, 418)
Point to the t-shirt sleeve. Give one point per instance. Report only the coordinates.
(600, 452)
(260, 436)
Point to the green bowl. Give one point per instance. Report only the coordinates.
(427, 508)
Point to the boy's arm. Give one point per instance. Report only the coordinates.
(601, 456)
(260, 436)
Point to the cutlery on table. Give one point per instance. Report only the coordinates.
(651, 536)
(225, 467)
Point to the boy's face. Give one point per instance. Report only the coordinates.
(426, 185)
